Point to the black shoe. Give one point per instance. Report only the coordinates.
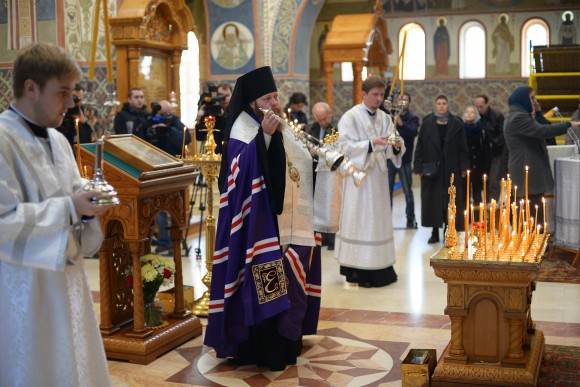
(330, 247)
(433, 239)
(365, 285)
(411, 224)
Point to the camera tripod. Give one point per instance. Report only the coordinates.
(199, 189)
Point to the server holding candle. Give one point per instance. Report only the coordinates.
(526, 143)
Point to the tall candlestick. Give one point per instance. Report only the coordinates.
(472, 214)
(193, 139)
(78, 146)
(466, 221)
(544, 212)
(484, 203)
(467, 196)
(526, 183)
(536, 218)
(183, 144)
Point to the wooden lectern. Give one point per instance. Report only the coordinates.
(493, 338)
(147, 181)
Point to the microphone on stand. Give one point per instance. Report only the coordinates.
(550, 113)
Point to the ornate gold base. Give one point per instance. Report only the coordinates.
(201, 305)
(485, 374)
(143, 351)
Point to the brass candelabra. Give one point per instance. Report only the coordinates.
(209, 165)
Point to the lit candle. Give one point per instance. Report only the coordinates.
(78, 146)
(183, 144)
(536, 218)
(186, 152)
(466, 221)
(467, 196)
(544, 211)
(484, 203)
(526, 183)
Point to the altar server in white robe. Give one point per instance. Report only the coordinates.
(365, 246)
(48, 330)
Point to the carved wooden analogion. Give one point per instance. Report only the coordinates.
(144, 188)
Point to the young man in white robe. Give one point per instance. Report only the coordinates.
(48, 331)
(365, 245)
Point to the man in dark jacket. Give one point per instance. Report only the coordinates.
(441, 141)
(526, 141)
(492, 123)
(407, 126)
(133, 115)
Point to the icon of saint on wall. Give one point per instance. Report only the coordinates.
(232, 45)
(503, 45)
(441, 47)
(567, 29)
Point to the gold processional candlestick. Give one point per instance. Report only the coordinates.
(98, 182)
(451, 233)
(209, 165)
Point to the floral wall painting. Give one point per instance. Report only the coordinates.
(232, 45)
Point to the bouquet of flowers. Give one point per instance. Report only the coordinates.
(156, 270)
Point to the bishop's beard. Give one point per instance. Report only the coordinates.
(260, 114)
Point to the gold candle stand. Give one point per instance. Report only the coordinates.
(209, 165)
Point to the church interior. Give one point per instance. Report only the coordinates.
(175, 49)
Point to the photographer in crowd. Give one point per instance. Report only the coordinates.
(68, 126)
(164, 130)
(213, 103)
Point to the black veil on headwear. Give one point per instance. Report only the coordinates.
(248, 88)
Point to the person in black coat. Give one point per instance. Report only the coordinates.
(441, 140)
(133, 115)
(476, 143)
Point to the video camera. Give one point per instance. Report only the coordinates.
(211, 101)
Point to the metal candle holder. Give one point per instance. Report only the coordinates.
(395, 110)
(98, 183)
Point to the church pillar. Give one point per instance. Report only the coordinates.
(357, 83)
(328, 71)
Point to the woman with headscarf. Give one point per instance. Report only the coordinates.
(526, 142)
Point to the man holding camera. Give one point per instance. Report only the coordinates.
(165, 131)
(68, 126)
(213, 103)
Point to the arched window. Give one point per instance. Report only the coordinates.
(535, 32)
(472, 49)
(414, 56)
(189, 80)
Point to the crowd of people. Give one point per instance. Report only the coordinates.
(279, 204)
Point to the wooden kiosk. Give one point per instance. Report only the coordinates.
(147, 181)
(361, 39)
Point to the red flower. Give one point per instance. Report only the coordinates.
(130, 281)
(167, 273)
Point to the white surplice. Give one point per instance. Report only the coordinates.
(365, 239)
(48, 331)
